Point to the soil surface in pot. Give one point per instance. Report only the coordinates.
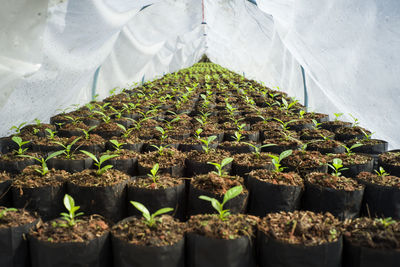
(166, 231)
(374, 233)
(163, 181)
(89, 177)
(334, 182)
(210, 225)
(170, 157)
(278, 178)
(304, 159)
(392, 158)
(352, 159)
(213, 156)
(252, 159)
(86, 229)
(15, 218)
(31, 178)
(5, 176)
(301, 227)
(216, 184)
(123, 154)
(385, 180)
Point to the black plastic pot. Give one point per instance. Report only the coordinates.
(198, 147)
(199, 206)
(278, 149)
(70, 165)
(354, 170)
(342, 204)
(380, 201)
(129, 166)
(254, 136)
(237, 149)
(16, 166)
(373, 149)
(357, 256)
(127, 254)
(203, 251)
(134, 147)
(155, 199)
(242, 170)
(304, 171)
(266, 197)
(14, 250)
(47, 201)
(273, 253)
(108, 201)
(389, 168)
(94, 253)
(70, 133)
(5, 193)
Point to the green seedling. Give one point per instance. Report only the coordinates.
(356, 122)
(301, 114)
(381, 172)
(73, 120)
(102, 107)
(18, 128)
(219, 207)
(220, 167)
(337, 167)
(317, 125)
(237, 137)
(117, 146)
(125, 131)
(51, 134)
(287, 106)
(197, 133)
(106, 118)
(67, 151)
(163, 133)
(276, 160)
(160, 149)
(4, 212)
(20, 143)
(257, 149)
(70, 218)
(154, 173)
(284, 125)
(150, 219)
(337, 116)
(386, 222)
(349, 150)
(333, 234)
(99, 162)
(207, 142)
(366, 135)
(86, 133)
(43, 161)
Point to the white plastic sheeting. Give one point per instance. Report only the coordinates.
(349, 50)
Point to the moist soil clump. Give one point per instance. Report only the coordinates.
(216, 184)
(90, 177)
(384, 180)
(334, 182)
(15, 218)
(278, 178)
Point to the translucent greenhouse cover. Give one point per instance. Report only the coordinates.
(54, 54)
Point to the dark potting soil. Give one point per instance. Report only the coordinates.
(278, 178)
(86, 229)
(89, 177)
(15, 218)
(334, 182)
(93, 139)
(301, 227)
(365, 141)
(392, 158)
(252, 159)
(78, 126)
(373, 233)
(300, 159)
(210, 225)
(170, 157)
(213, 156)
(356, 130)
(325, 144)
(216, 184)
(315, 133)
(352, 159)
(5, 176)
(12, 157)
(290, 142)
(31, 178)
(122, 154)
(163, 181)
(386, 180)
(166, 231)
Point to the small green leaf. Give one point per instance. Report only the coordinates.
(162, 211)
(232, 193)
(142, 209)
(226, 161)
(87, 153)
(285, 154)
(69, 202)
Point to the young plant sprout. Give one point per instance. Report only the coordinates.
(51, 134)
(284, 125)
(381, 172)
(197, 133)
(386, 222)
(20, 143)
(219, 207)
(237, 137)
(163, 133)
(349, 150)
(160, 149)
(356, 122)
(337, 166)
(301, 114)
(333, 234)
(117, 146)
(366, 135)
(220, 167)
(257, 149)
(99, 162)
(154, 173)
(18, 128)
(67, 151)
(337, 116)
(150, 219)
(207, 142)
(70, 217)
(87, 132)
(43, 161)
(4, 212)
(106, 118)
(287, 106)
(317, 125)
(276, 160)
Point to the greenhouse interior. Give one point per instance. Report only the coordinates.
(199, 133)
